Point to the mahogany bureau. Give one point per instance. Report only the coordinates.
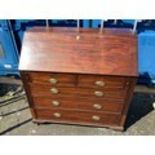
(84, 78)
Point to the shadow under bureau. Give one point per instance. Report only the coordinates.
(83, 78)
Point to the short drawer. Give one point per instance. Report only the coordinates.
(105, 82)
(52, 79)
(78, 104)
(70, 116)
(47, 91)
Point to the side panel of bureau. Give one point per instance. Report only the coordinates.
(25, 79)
(132, 83)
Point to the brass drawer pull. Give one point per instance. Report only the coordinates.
(54, 90)
(97, 106)
(55, 103)
(99, 93)
(96, 118)
(53, 80)
(100, 83)
(57, 114)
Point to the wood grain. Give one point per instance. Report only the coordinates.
(65, 80)
(106, 63)
(78, 116)
(45, 91)
(78, 104)
(58, 50)
(77, 80)
(110, 82)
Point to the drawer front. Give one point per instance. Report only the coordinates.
(77, 104)
(83, 81)
(53, 79)
(69, 116)
(48, 91)
(105, 82)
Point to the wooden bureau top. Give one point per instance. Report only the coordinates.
(59, 50)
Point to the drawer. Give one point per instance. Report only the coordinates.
(70, 116)
(52, 79)
(105, 82)
(77, 103)
(43, 90)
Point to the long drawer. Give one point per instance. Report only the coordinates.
(48, 91)
(69, 116)
(77, 103)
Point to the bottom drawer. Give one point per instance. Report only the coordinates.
(77, 117)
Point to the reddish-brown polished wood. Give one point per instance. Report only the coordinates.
(64, 80)
(77, 103)
(58, 50)
(78, 116)
(91, 77)
(83, 81)
(45, 90)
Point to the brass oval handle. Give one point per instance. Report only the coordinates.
(100, 83)
(55, 103)
(54, 90)
(97, 106)
(57, 114)
(99, 93)
(96, 118)
(53, 80)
